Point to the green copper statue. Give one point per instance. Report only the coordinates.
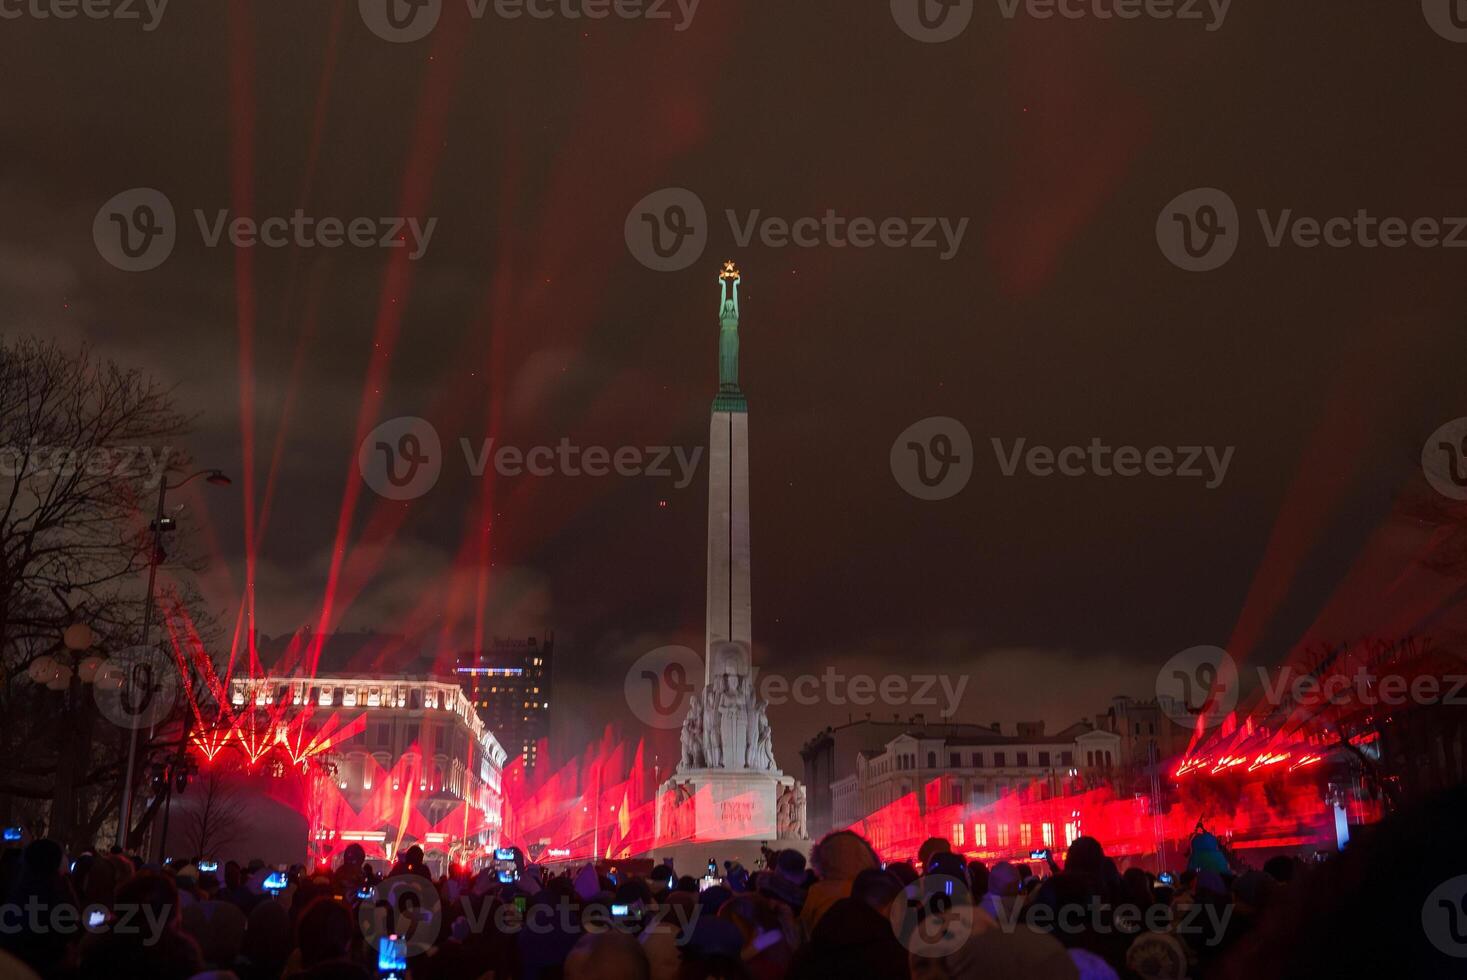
(728, 334)
(729, 397)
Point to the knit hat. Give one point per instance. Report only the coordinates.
(1157, 956)
(931, 846)
(1003, 880)
(842, 855)
(946, 863)
(588, 883)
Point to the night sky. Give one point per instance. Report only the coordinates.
(1058, 320)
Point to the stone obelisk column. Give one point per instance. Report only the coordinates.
(730, 608)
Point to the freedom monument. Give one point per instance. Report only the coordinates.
(727, 787)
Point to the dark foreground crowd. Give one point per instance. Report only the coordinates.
(1387, 906)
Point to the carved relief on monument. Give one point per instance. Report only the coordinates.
(790, 814)
(727, 725)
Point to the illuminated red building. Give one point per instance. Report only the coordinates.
(385, 762)
(974, 768)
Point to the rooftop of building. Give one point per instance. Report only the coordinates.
(898, 724)
(1034, 735)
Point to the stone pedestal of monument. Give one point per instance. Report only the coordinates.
(723, 804)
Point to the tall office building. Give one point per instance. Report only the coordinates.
(509, 685)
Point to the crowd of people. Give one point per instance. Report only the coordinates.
(844, 913)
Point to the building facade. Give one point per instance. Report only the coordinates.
(972, 768)
(1147, 729)
(830, 756)
(381, 762)
(510, 687)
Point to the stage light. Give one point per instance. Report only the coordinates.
(1268, 759)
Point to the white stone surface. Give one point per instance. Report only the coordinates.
(730, 605)
(725, 805)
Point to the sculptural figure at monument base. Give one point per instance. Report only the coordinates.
(727, 725)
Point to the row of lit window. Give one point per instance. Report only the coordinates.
(1000, 760)
(351, 697)
(526, 704)
(1001, 835)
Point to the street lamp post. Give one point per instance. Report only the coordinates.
(218, 479)
(175, 774)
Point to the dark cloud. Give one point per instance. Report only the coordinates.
(1058, 321)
